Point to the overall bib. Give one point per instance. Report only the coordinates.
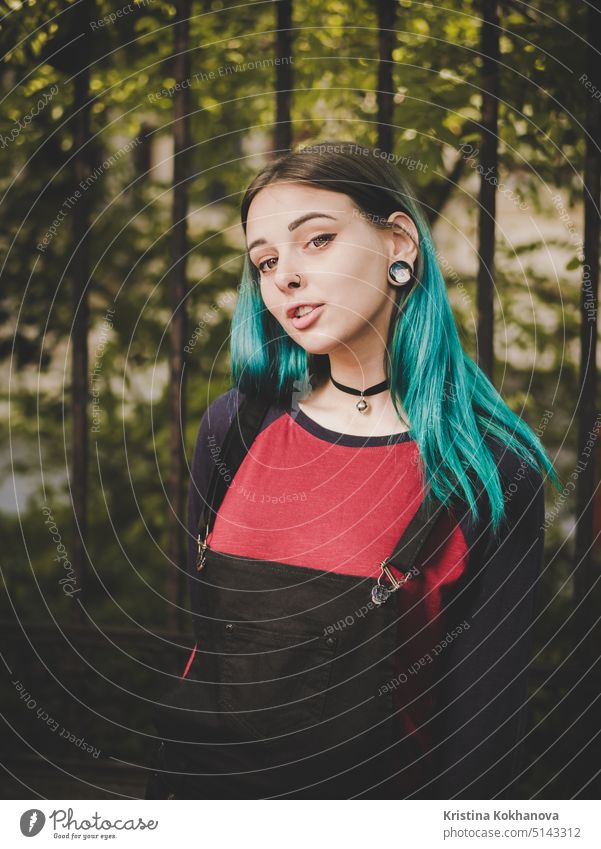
(286, 694)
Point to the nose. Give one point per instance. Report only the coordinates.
(287, 280)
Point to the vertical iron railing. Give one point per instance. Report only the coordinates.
(488, 190)
(177, 295)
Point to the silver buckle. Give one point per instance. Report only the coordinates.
(381, 593)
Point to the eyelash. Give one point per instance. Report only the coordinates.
(328, 236)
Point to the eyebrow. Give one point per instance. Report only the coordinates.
(293, 225)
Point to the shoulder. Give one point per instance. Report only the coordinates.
(520, 533)
(214, 425)
(211, 432)
(219, 416)
(521, 484)
(521, 479)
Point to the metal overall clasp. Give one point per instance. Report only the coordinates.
(380, 593)
(202, 547)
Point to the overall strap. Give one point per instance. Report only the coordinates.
(415, 535)
(407, 550)
(241, 434)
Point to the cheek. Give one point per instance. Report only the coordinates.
(266, 294)
(270, 301)
(355, 294)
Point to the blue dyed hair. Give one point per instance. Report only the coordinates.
(452, 406)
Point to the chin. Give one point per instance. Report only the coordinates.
(314, 346)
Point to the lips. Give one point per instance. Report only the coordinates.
(310, 318)
(292, 309)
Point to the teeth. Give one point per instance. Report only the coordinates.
(303, 311)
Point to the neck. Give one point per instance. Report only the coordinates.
(328, 400)
(358, 375)
(337, 410)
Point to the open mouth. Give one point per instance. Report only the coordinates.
(301, 309)
(305, 315)
(305, 310)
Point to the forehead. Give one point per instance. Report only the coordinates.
(278, 204)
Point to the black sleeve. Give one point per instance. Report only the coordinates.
(483, 707)
(209, 439)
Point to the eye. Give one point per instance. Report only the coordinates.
(261, 264)
(323, 238)
(327, 236)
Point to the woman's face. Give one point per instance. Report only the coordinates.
(342, 258)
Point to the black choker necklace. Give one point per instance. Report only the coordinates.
(362, 404)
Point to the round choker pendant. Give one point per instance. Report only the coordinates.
(361, 404)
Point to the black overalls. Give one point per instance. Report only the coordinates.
(286, 695)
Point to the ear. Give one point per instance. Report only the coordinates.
(403, 239)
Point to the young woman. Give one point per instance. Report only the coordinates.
(366, 518)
